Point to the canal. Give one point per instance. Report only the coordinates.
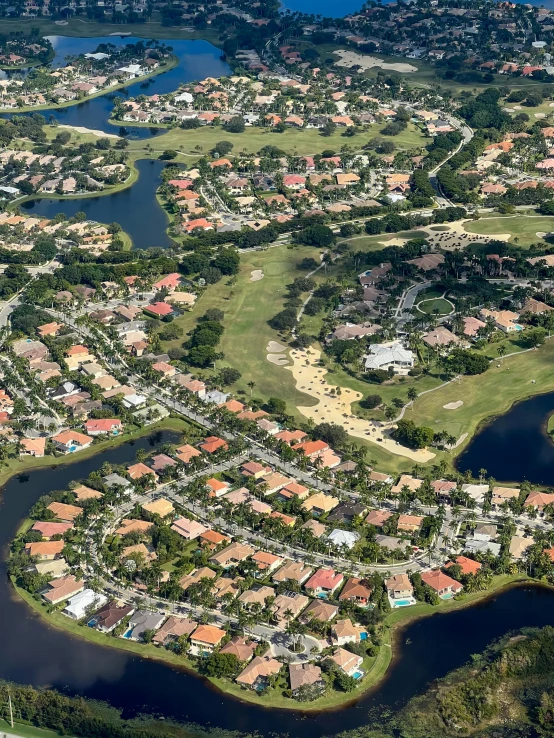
(135, 208)
(515, 446)
(39, 655)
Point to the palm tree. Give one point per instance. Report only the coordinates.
(251, 386)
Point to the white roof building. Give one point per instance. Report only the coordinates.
(77, 606)
(477, 492)
(134, 400)
(385, 355)
(345, 538)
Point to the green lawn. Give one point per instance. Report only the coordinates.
(26, 731)
(293, 141)
(375, 243)
(521, 227)
(488, 394)
(434, 306)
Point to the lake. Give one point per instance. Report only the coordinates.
(135, 208)
(38, 655)
(515, 447)
(197, 60)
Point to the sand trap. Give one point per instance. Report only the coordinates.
(453, 405)
(540, 234)
(275, 348)
(336, 408)
(460, 440)
(352, 59)
(256, 275)
(277, 359)
(61, 23)
(81, 129)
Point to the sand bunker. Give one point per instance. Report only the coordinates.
(460, 440)
(453, 405)
(277, 359)
(540, 234)
(82, 129)
(275, 348)
(334, 405)
(454, 236)
(256, 275)
(351, 59)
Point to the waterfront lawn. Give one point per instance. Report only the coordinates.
(489, 394)
(522, 227)
(292, 141)
(26, 731)
(26, 464)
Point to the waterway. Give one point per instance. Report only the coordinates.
(515, 446)
(38, 655)
(135, 208)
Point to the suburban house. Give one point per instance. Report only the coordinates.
(348, 662)
(257, 674)
(62, 589)
(443, 585)
(399, 587)
(79, 605)
(70, 441)
(344, 631)
(304, 675)
(355, 591)
(206, 638)
(110, 615)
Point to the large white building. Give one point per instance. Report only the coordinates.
(78, 606)
(392, 354)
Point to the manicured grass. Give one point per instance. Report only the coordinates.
(29, 463)
(375, 243)
(488, 394)
(522, 227)
(434, 306)
(26, 731)
(293, 141)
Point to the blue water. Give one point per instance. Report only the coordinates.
(324, 8)
(358, 674)
(402, 603)
(363, 636)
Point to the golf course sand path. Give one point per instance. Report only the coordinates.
(335, 405)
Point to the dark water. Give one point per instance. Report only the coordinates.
(325, 8)
(515, 447)
(197, 60)
(35, 654)
(135, 208)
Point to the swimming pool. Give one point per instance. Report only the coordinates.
(402, 603)
(363, 636)
(357, 675)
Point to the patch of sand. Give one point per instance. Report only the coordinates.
(277, 359)
(82, 129)
(256, 275)
(336, 408)
(453, 405)
(61, 23)
(275, 348)
(460, 440)
(456, 237)
(540, 234)
(352, 59)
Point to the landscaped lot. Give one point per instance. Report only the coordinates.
(524, 228)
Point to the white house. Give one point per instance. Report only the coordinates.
(392, 354)
(346, 538)
(78, 606)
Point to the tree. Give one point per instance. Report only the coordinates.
(221, 665)
(276, 406)
(227, 261)
(317, 235)
(370, 402)
(235, 125)
(222, 148)
(331, 433)
(168, 154)
(329, 128)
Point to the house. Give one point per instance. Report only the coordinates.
(140, 470)
(305, 675)
(406, 480)
(355, 591)
(324, 582)
(485, 532)
(500, 495)
(169, 283)
(539, 500)
(161, 462)
(295, 571)
(48, 529)
(311, 449)
(33, 447)
(239, 647)
(440, 337)
(344, 631)
(213, 444)
(266, 562)
(472, 326)
(133, 526)
(161, 507)
(320, 610)
(70, 441)
(409, 523)
(212, 539)
(186, 452)
(289, 605)
(216, 487)
(49, 329)
(206, 638)
(65, 513)
(389, 355)
(232, 555)
(518, 546)
(45, 550)
(188, 529)
(79, 605)
(320, 504)
(115, 480)
(173, 629)
(254, 470)
(399, 587)
(316, 528)
(158, 309)
(441, 583)
(467, 566)
(348, 662)
(195, 576)
(141, 622)
(110, 616)
(99, 427)
(343, 538)
(378, 518)
(258, 672)
(256, 596)
(62, 589)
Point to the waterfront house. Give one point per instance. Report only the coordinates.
(241, 648)
(141, 622)
(539, 500)
(500, 495)
(257, 674)
(49, 529)
(467, 566)
(324, 582)
(348, 662)
(45, 550)
(111, 615)
(518, 547)
(173, 629)
(441, 583)
(65, 513)
(206, 638)
(33, 447)
(62, 589)
(70, 441)
(79, 605)
(305, 675)
(344, 631)
(102, 426)
(355, 591)
(399, 587)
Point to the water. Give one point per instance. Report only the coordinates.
(135, 208)
(324, 8)
(197, 60)
(515, 446)
(36, 654)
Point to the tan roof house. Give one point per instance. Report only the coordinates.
(258, 672)
(232, 554)
(295, 571)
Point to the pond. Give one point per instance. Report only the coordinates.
(515, 447)
(38, 655)
(197, 60)
(135, 208)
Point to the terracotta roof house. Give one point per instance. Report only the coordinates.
(161, 507)
(355, 591)
(406, 480)
(399, 587)
(97, 427)
(232, 555)
(311, 448)
(258, 672)
(472, 326)
(467, 566)
(378, 518)
(216, 487)
(133, 526)
(295, 571)
(500, 495)
(62, 589)
(290, 437)
(267, 562)
(305, 675)
(65, 513)
(33, 447)
(70, 441)
(48, 529)
(409, 523)
(160, 462)
(254, 469)
(539, 500)
(443, 585)
(347, 661)
(188, 529)
(173, 629)
(213, 444)
(140, 470)
(239, 647)
(186, 452)
(319, 610)
(206, 638)
(45, 550)
(170, 282)
(320, 503)
(158, 309)
(212, 539)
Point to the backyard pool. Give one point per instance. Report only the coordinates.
(357, 674)
(402, 603)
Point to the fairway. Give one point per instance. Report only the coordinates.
(293, 141)
(522, 227)
(486, 395)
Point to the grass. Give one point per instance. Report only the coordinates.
(434, 306)
(29, 463)
(26, 731)
(487, 395)
(376, 243)
(521, 227)
(292, 141)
